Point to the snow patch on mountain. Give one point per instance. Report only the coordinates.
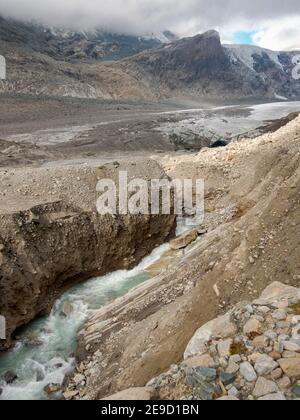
(245, 54)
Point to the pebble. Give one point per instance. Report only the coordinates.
(233, 392)
(276, 374)
(274, 355)
(235, 359)
(233, 368)
(260, 342)
(224, 347)
(271, 335)
(205, 360)
(204, 374)
(284, 383)
(227, 378)
(264, 387)
(267, 364)
(247, 371)
(291, 367)
(279, 315)
(296, 391)
(263, 309)
(291, 346)
(253, 325)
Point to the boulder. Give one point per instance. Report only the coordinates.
(276, 293)
(265, 365)
(221, 327)
(273, 397)
(291, 367)
(247, 372)
(52, 389)
(184, 240)
(67, 309)
(252, 326)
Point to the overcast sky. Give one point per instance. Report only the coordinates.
(272, 24)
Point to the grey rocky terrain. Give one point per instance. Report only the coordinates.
(198, 67)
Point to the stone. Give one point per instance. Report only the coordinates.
(202, 231)
(184, 240)
(224, 347)
(233, 368)
(133, 394)
(235, 359)
(284, 383)
(276, 374)
(205, 360)
(208, 392)
(260, 342)
(227, 378)
(283, 337)
(273, 397)
(278, 347)
(291, 367)
(291, 346)
(204, 374)
(78, 379)
(223, 361)
(253, 357)
(67, 309)
(280, 315)
(296, 333)
(10, 377)
(253, 325)
(265, 365)
(233, 392)
(52, 389)
(271, 335)
(221, 327)
(249, 308)
(296, 391)
(275, 293)
(247, 372)
(228, 398)
(68, 395)
(275, 355)
(290, 355)
(264, 387)
(263, 309)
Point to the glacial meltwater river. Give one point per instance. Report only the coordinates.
(51, 357)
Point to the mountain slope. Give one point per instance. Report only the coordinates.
(60, 63)
(202, 66)
(86, 46)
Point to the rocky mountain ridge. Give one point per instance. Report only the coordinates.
(43, 62)
(77, 46)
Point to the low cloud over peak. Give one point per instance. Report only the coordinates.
(262, 18)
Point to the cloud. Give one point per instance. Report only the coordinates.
(145, 16)
(281, 34)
